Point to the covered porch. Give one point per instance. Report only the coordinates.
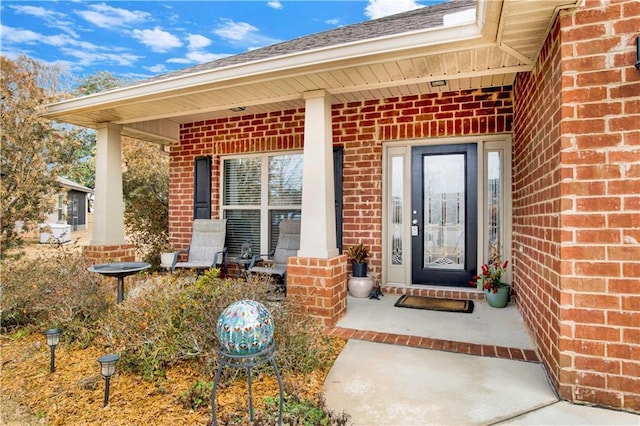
(239, 104)
(531, 79)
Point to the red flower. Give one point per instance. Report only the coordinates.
(491, 275)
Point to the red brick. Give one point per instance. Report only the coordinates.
(597, 364)
(596, 301)
(584, 316)
(593, 332)
(631, 303)
(623, 351)
(597, 78)
(624, 384)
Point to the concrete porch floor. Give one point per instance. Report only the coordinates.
(406, 366)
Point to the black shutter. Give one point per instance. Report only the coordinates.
(202, 188)
(337, 188)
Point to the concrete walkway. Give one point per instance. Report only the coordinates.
(394, 384)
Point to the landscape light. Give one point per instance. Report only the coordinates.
(107, 369)
(53, 338)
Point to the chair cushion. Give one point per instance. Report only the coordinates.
(194, 265)
(207, 239)
(275, 270)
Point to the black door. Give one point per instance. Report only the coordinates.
(444, 214)
(202, 188)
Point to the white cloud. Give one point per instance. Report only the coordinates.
(52, 18)
(105, 16)
(85, 58)
(197, 41)
(18, 35)
(157, 39)
(37, 11)
(242, 33)
(12, 35)
(335, 21)
(274, 4)
(235, 30)
(379, 8)
(158, 69)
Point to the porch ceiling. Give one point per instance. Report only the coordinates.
(485, 50)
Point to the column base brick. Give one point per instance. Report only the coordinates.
(321, 285)
(110, 253)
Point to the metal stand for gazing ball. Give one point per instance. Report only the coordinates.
(247, 362)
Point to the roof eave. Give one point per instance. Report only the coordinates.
(316, 58)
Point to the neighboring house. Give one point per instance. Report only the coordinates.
(431, 136)
(71, 204)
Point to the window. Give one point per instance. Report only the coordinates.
(258, 192)
(494, 205)
(60, 208)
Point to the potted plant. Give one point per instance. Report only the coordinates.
(490, 279)
(358, 255)
(359, 284)
(168, 255)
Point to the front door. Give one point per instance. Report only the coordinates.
(444, 214)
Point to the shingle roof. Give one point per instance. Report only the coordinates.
(418, 19)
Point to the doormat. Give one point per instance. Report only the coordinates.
(435, 304)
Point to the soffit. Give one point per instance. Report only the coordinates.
(511, 36)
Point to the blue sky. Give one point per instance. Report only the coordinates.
(138, 39)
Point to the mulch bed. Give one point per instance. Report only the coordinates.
(74, 393)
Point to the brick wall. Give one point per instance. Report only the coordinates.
(600, 313)
(360, 127)
(275, 131)
(536, 200)
(577, 203)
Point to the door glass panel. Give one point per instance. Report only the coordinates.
(444, 211)
(494, 203)
(397, 191)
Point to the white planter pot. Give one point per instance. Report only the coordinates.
(360, 286)
(166, 259)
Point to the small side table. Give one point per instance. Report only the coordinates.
(242, 264)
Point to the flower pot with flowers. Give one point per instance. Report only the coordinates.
(490, 279)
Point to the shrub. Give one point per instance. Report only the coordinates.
(175, 318)
(54, 291)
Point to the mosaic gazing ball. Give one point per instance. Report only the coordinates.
(245, 328)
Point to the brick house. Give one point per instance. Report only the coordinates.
(431, 136)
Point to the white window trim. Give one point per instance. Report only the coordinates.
(263, 207)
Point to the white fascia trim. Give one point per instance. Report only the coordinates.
(320, 56)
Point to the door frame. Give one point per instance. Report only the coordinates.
(400, 275)
(445, 276)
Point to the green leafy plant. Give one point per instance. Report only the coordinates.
(198, 395)
(298, 411)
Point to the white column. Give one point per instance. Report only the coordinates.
(318, 225)
(108, 217)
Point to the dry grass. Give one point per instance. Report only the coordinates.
(74, 393)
